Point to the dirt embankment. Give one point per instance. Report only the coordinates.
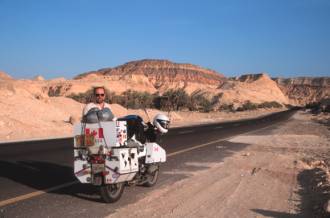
(269, 178)
(25, 117)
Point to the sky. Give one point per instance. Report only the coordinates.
(63, 38)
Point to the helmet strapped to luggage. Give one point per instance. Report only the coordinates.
(161, 122)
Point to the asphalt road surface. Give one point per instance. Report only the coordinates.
(36, 178)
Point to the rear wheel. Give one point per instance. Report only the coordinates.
(112, 192)
(151, 178)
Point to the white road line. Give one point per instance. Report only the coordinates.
(218, 127)
(218, 140)
(197, 146)
(187, 131)
(37, 193)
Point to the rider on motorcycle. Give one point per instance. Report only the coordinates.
(98, 103)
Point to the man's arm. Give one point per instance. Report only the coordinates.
(86, 109)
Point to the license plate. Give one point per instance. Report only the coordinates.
(84, 140)
(97, 168)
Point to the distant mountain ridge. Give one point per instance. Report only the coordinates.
(162, 74)
(152, 75)
(303, 90)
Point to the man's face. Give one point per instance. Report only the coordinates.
(99, 95)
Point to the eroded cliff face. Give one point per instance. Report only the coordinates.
(303, 90)
(161, 74)
(256, 88)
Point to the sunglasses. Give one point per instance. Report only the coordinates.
(97, 95)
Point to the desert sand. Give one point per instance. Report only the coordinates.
(271, 177)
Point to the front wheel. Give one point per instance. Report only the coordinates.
(151, 177)
(112, 192)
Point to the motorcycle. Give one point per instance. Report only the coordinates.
(113, 154)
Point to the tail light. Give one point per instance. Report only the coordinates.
(97, 160)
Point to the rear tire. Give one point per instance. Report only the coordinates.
(112, 192)
(151, 178)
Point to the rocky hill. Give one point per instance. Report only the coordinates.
(160, 74)
(256, 88)
(303, 90)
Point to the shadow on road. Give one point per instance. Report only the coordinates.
(38, 175)
(43, 175)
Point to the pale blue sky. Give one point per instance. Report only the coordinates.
(64, 38)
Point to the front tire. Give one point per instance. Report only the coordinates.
(112, 192)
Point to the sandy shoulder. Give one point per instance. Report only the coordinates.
(259, 181)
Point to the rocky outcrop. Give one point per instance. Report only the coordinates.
(161, 74)
(303, 90)
(4, 76)
(256, 88)
(250, 78)
(38, 78)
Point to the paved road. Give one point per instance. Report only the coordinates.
(36, 178)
